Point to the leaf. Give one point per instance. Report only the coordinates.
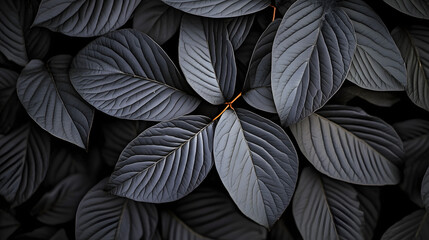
(59, 205)
(304, 75)
(101, 215)
(347, 144)
(127, 75)
(173, 228)
(20, 43)
(212, 214)
(412, 128)
(84, 18)
(425, 189)
(257, 164)
(283, 5)
(43, 233)
(369, 198)
(257, 86)
(157, 20)
(8, 99)
(327, 209)
(413, 226)
(58, 108)
(238, 28)
(219, 8)
(206, 57)
(412, 43)
(24, 158)
(377, 63)
(415, 8)
(8, 224)
(381, 99)
(166, 161)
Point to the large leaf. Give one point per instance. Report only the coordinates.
(166, 161)
(257, 86)
(412, 43)
(206, 57)
(212, 214)
(324, 208)
(46, 93)
(127, 75)
(84, 18)
(173, 228)
(238, 28)
(219, 8)
(157, 20)
(24, 158)
(425, 189)
(8, 224)
(60, 204)
(312, 53)
(8, 97)
(415, 8)
(377, 63)
(257, 164)
(413, 226)
(347, 144)
(101, 215)
(20, 43)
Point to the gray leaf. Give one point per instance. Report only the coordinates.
(173, 228)
(369, 198)
(413, 226)
(381, 99)
(415, 8)
(238, 29)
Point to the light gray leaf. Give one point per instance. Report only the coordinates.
(413, 226)
(415, 8)
(347, 144)
(312, 53)
(127, 75)
(206, 57)
(238, 28)
(173, 228)
(257, 164)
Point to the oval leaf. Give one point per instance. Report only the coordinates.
(58, 108)
(219, 8)
(257, 164)
(101, 215)
(238, 28)
(377, 63)
(257, 86)
(166, 161)
(347, 144)
(173, 228)
(206, 57)
(304, 74)
(24, 158)
(413, 226)
(127, 75)
(415, 8)
(84, 18)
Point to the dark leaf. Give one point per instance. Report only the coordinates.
(157, 20)
(257, 164)
(46, 93)
(101, 215)
(381, 99)
(257, 86)
(413, 226)
(425, 190)
(43, 233)
(9, 103)
(8, 224)
(84, 18)
(369, 198)
(219, 8)
(347, 144)
(24, 158)
(206, 57)
(165, 162)
(411, 129)
(283, 5)
(173, 228)
(127, 75)
(280, 232)
(304, 74)
(415, 8)
(238, 28)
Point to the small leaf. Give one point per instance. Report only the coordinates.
(425, 190)
(238, 28)
(415, 8)
(347, 144)
(24, 158)
(84, 18)
(8, 224)
(257, 86)
(206, 57)
(173, 228)
(312, 53)
(413, 226)
(46, 93)
(157, 20)
(166, 161)
(127, 75)
(219, 8)
(101, 215)
(257, 164)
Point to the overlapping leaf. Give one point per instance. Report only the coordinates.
(312, 53)
(346, 143)
(219, 8)
(206, 57)
(127, 75)
(412, 226)
(7, 98)
(425, 190)
(58, 108)
(173, 228)
(377, 63)
(257, 86)
(412, 43)
(24, 158)
(381, 99)
(415, 8)
(257, 164)
(166, 161)
(84, 18)
(8, 224)
(238, 28)
(370, 204)
(101, 215)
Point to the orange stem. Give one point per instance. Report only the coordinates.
(228, 105)
(220, 114)
(274, 12)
